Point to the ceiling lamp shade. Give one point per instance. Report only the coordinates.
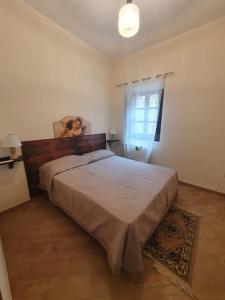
(128, 20)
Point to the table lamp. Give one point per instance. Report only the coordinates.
(113, 133)
(11, 141)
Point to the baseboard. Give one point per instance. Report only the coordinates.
(20, 204)
(201, 188)
(13, 207)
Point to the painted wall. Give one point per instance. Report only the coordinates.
(4, 281)
(45, 74)
(192, 138)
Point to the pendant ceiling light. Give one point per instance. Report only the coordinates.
(128, 19)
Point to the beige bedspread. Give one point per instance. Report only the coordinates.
(118, 201)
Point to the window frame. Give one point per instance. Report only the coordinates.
(146, 122)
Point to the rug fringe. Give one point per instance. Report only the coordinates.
(173, 278)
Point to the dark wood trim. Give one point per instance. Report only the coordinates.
(36, 153)
(201, 188)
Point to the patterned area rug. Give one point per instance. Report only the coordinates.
(173, 243)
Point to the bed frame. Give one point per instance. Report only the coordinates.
(36, 153)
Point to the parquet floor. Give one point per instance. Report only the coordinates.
(49, 257)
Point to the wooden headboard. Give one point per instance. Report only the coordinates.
(36, 153)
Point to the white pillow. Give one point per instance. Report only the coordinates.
(98, 155)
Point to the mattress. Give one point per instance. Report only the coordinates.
(118, 201)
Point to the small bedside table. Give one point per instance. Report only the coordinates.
(10, 162)
(111, 141)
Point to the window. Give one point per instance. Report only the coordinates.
(144, 104)
(146, 117)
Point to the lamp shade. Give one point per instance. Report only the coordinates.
(113, 131)
(128, 20)
(11, 140)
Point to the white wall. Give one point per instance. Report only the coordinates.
(4, 281)
(192, 137)
(45, 74)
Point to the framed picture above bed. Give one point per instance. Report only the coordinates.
(71, 126)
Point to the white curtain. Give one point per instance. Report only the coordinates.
(141, 116)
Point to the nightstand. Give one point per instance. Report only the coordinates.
(111, 141)
(10, 162)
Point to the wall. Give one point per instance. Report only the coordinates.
(46, 73)
(4, 281)
(192, 138)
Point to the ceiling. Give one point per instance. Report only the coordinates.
(95, 21)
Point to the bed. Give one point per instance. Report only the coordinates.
(118, 201)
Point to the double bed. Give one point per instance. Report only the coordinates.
(118, 201)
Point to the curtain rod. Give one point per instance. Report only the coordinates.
(147, 78)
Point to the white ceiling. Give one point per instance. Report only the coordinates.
(95, 21)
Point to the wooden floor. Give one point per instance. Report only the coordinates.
(49, 257)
